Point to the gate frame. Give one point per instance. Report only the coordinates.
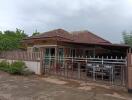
(85, 59)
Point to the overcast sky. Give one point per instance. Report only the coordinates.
(106, 18)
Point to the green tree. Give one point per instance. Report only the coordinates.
(21, 33)
(35, 33)
(127, 37)
(11, 40)
(0, 32)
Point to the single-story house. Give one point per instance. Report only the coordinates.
(82, 55)
(79, 43)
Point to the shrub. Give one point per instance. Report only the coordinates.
(4, 65)
(17, 67)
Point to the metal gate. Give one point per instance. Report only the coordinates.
(105, 70)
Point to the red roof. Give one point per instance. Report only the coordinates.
(76, 37)
(88, 37)
(53, 33)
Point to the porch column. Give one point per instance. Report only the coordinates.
(129, 72)
(42, 50)
(56, 56)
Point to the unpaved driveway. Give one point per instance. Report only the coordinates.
(40, 88)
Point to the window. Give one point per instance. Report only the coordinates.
(49, 52)
(61, 55)
(35, 49)
(89, 53)
(73, 53)
(61, 52)
(52, 51)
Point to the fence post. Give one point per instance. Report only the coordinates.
(129, 72)
(86, 61)
(42, 69)
(79, 71)
(102, 67)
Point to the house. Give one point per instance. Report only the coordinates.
(79, 43)
(78, 55)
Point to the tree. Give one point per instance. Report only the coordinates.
(21, 33)
(0, 32)
(11, 40)
(35, 33)
(127, 37)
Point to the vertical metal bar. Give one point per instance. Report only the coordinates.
(86, 70)
(62, 69)
(71, 75)
(123, 75)
(79, 71)
(93, 73)
(50, 63)
(67, 70)
(102, 67)
(112, 75)
(56, 60)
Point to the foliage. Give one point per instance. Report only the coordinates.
(0, 33)
(4, 65)
(127, 37)
(35, 33)
(17, 67)
(10, 40)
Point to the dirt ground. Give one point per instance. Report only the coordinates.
(52, 88)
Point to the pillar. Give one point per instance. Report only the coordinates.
(42, 69)
(56, 58)
(129, 72)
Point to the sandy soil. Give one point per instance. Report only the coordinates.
(52, 88)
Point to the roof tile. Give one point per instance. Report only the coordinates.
(76, 36)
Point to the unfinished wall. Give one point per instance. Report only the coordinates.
(31, 65)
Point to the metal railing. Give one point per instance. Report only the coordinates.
(105, 70)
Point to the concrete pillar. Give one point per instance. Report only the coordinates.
(56, 60)
(129, 72)
(42, 50)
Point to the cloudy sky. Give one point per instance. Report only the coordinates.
(106, 18)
